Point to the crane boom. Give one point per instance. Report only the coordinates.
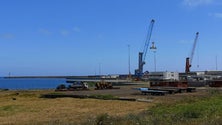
(194, 46)
(142, 55)
(148, 37)
(190, 59)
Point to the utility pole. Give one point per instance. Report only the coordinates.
(100, 69)
(153, 48)
(216, 63)
(129, 61)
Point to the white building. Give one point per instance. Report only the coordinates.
(172, 76)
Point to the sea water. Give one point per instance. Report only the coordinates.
(30, 83)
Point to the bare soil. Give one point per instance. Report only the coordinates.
(25, 107)
(131, 91)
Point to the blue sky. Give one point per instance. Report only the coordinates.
(88, 37)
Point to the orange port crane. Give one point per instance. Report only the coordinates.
(189, 59)
(142, 55)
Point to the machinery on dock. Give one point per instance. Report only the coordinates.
(74, 86)
(165, 90)
(104, 85)
(215, 82)
(189, 59)
(142, 55)
(78, 85)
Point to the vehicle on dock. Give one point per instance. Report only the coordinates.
(61, 87)
(74, 86)
(146, 91)
(78, 86)
(165, 90)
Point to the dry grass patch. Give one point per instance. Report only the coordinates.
(28, 108)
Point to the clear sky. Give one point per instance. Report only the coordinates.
(88, 37)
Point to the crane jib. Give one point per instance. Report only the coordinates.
(148, 37)
(194, 46)
(142, 55)
(189, 59)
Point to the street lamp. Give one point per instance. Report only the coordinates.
(153, 48)
(129, 61)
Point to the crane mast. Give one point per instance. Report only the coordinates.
(142, 55)
(190, 59)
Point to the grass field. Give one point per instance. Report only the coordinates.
(203, 109)
(25, 107)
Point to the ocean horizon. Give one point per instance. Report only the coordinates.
(30, 83)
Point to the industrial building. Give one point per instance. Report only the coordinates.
(164, 76)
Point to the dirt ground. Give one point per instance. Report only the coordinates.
(25, 107)
(131, 91)
(123, 91)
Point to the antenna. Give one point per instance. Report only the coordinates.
(129, 61)
(216, 62)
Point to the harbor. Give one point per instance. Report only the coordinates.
(111, 62)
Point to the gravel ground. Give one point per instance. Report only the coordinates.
(130, 91)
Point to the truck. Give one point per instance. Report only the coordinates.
(74, 86)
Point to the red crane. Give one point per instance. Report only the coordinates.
(190, 59)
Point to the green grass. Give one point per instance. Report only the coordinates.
(191, 111)
(10, 110)
(91, 84)
(105, 97)
(204, 109)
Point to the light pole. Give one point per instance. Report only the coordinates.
(153, 48)
(129, 61)
(216, 62)
(100, 69)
